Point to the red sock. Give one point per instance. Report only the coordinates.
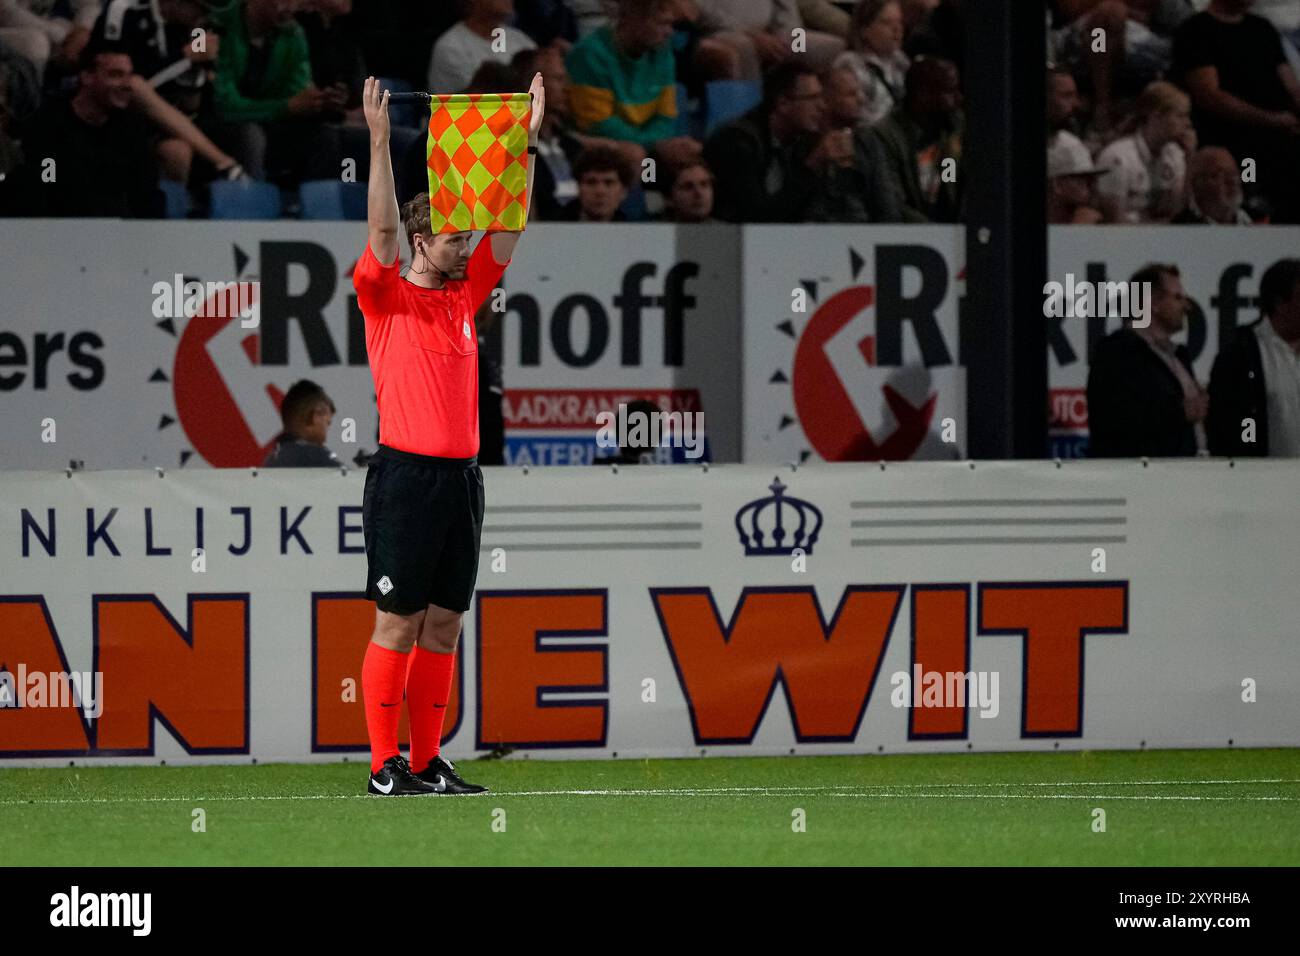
(381, 689)
(428, 685)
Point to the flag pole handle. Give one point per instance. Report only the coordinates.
(424, 98)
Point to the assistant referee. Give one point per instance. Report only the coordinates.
(422, 510)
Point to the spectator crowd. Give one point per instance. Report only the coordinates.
(1182, 111)
(671, 110)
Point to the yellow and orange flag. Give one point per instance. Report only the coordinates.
(478, 161)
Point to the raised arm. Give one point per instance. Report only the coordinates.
(1203, 84)
(381, 200)
(503, 243)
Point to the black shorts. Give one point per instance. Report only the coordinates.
(422, 518)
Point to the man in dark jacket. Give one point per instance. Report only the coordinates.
(921, 141)
(767, 161)
(90, 154)
(859, 189)
(1255, 382)
(1143, 398)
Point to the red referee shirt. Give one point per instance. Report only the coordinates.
(423, 349)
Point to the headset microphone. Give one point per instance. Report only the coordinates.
(444, 276)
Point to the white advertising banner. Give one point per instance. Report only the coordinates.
(842, 341)
(217, 615)
(851, 345)
(1220, 269)
(109, 363)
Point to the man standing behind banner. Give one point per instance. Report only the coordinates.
(422, 510)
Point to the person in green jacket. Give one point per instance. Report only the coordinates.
(269, 110)
(623, 84)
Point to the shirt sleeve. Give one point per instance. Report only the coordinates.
(1172, 169)
(1113, 182)
(483, 272)
(376, 285)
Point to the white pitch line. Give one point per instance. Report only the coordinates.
(1088, 783)
(897, 790)
(1049, 796)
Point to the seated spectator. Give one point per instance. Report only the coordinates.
(171, 78)
(1255, 382)
(1146, 170)
(335, 49)
(690, 195)
(1138, 43)
(270, 113)
(1143, 397)
(306, 413)
(100, 150)
(858, 188)
(28, 30)
(875, 57)
(766, 161)
(760, 32)
(919, 137)
(1063, 103)
(1071, 180)
(603, 181)
(1245, 94)
(622, 82)
(459, 51)
(1215, 195)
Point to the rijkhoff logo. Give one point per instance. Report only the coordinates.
(853, 394)
(220, 423)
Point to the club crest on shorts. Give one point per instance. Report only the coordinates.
(467, 335)
(384, 585)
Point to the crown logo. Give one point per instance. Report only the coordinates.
(763, 523)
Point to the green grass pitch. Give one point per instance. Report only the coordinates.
(1162, 808)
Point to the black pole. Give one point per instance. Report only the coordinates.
(1004, 334)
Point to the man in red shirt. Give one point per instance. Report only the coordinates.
(422, 510)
